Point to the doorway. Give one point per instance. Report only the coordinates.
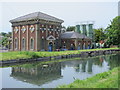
(50, 46)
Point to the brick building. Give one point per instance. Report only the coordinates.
(38, 32)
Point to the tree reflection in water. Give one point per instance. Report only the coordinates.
(39, 74)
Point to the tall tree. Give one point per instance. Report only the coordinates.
(99, 34)
(113, 32)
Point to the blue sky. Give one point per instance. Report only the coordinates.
(71, 12)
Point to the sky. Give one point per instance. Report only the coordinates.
(71, 12)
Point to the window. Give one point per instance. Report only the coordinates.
(23, 29)
(57, 28)
(23, 44)
(44, 28)
(32, 28)
(32, 43)
(50, 27)
(42, 25)
(16, 43)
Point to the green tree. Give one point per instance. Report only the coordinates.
(4, 41)
(70, 28)
(113, 32)
(99, 34)
(9, 34)
(3, 34)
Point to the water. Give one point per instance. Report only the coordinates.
(51, 75)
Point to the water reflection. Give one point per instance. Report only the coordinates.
(90, 63)
(38, 74)
(113, 61)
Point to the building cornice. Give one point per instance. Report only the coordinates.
(37, 21)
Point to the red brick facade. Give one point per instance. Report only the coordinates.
(41, 32)
(21, 32)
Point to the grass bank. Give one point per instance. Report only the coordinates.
(29, 54)
(103, 80)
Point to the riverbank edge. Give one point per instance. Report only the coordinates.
(109, 79)
(82, 54)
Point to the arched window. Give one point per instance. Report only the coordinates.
(23, 44)
(16, 43)
(32, 43)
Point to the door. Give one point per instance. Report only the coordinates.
(50, 46)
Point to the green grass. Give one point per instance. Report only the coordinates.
(29, 54)
(103, 80)
(51, 61)
(18, 55)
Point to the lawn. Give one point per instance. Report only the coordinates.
(103, 80)
(30, 54)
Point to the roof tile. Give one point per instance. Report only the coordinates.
(37, 15)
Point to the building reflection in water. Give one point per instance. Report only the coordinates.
(90, 63)
(39, 74)
(86, 65)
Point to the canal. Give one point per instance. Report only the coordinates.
(51, 75)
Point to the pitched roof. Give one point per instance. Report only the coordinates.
(37, 15)
(73, 35)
